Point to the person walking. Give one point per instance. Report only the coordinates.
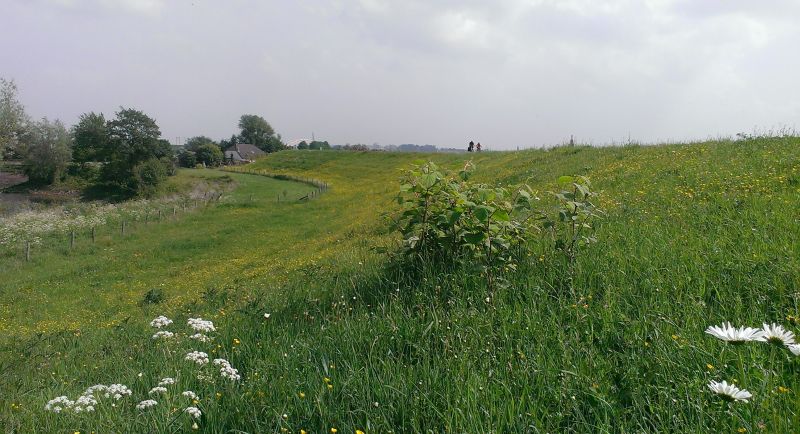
(471, 146)
(478, 147)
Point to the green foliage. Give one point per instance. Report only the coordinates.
(13, 120)
(90, 138)
(317, 145)
(194, 143)
(187, 159)
(209, 154)
(302, 145)
(447, 219)
(152, 296)
(47, 151)
(255, 130)
(148, 175)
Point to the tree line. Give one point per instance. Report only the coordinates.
(123, 156)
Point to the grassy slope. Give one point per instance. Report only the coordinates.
(694, 235)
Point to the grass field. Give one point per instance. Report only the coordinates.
(694, 235)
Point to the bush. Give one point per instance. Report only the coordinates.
(148, 175)
(187, 159)
(209, 154)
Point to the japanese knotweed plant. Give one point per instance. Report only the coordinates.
(445, 218)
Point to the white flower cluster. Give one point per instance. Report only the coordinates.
(771, 333)
(160, 322)
(189, 394)
(157, 389)
(200, 325)
(163, 334)
(167, 381)
(88, 400)
(147, 403)
(226, 370)
(198, 357)
(200, 337)
(193, 412)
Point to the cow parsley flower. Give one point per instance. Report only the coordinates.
(193, 412)
(729, 392)
(776, 334)
(198, 357)
(167, 381)
(201, 325)
(160, 322)
(226, 370)
(163, 334)
(56, 405)
(731, 334)
(157, 389)
(200, 337)
(147, 403)
(117, 391)
(189, 394)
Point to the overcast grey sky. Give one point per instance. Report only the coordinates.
(504, 72)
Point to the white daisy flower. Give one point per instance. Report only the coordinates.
(728, 333)
(147, 403)
(729, 392)
(193, 412)
(160, 322)
(776, 334)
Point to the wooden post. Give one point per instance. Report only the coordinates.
(251, 198)
(174, 210)
(72, 239)
(159, 214)
(123, 228)
(93, 235)
(27, 251)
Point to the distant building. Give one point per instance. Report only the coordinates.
(242, 153)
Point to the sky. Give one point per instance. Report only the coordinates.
(506, 73)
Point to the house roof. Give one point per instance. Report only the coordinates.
(245, 151)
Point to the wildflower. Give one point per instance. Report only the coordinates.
(731, 334)
(236, 341)
(795, 349)
(117, 391)
(200, 337)
(334, 430)
(195, 426)
(358, 431)
(160, 322)
(267, 315)
(147, 403)
(166, 381)
(158, 389)
(301, 395)
(729, 392)
(226, 370)
(198, 357)
(193, 412)
(776, 334)
(189, 394)
(163, 334)
(201, 325)
(59, 403)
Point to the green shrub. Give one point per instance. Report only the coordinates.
(148, 175)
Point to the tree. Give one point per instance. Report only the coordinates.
(255, 130)
(225, 144)
(47, 151)
(302, 145)
(90, 138)
(317, 145)
(195, 142)
(187, 159)
(209, 154)
(147, 176)
(13, 120)
(133, 139)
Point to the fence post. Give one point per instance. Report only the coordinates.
(123, 228)
(93, 235)
(159, 214)
(174, 210)
(27, 251)
(72, 239)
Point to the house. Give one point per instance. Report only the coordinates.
(242, 153)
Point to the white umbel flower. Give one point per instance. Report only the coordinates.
(160, 322)
(226, 370)
(56, 405)
(147, 403)
(729, 392)
(157, 389)
(200, 325)
(200, 337)
(163, 334)
(167, 381)
(189, 394)
(117, 391)
(776, 334)
(198, 357)
(193, 412)
(728, 333)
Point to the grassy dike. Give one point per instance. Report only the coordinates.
(694, 235)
